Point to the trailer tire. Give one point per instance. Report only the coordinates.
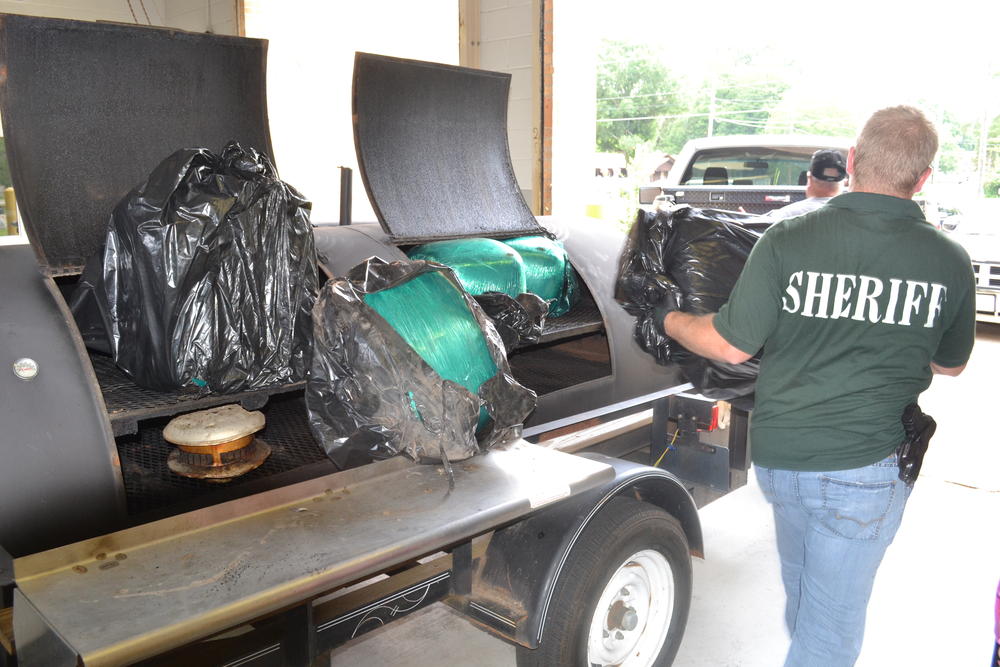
(623, 595)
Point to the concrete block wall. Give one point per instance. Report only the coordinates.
(509, 43)
(89, 10)
(310, 66)
(218, 16)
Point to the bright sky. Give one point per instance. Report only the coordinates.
(859, 56)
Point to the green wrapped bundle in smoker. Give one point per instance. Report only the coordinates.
(405, 361)
(431, 314)
(547, 271)
(481, 265)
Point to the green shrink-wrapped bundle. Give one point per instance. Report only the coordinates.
(450, 340)
(405, 361)
(481, 265)
(548, 272)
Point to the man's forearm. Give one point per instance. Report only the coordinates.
(698, 334)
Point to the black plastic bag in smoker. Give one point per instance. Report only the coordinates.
(702, 252)
(518, 321)
(371, 396)
(207, 277)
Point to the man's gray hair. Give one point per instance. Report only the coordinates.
(895, 147)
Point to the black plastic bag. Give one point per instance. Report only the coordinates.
(518, 321)
(207, 277)
(371, 396)
(702, 252)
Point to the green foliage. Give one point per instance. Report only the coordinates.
(632, 83)
(991, 188)
(743, 91)
(668, 110)
(4, 168)
(958, 140)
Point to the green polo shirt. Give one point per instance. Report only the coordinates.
(850, 304)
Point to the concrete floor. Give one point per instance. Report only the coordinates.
(933, 598)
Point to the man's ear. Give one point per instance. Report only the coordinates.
(850, 161)
(923, 179)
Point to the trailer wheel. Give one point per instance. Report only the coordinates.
(623, 595)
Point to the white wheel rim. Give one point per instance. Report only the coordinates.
(633, 614)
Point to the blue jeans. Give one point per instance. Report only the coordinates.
(833, 529)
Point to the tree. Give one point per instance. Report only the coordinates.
(737, 96)
(635, 90)
(5, 179)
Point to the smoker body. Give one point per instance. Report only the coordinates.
(84, 484)
(84, 443)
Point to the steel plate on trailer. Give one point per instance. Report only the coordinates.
(135, 593)
(89, 109)
(432, 147)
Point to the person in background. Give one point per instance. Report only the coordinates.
(824, 180)
(996, 631)
(854, 307)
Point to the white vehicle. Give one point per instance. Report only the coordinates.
(976, 226)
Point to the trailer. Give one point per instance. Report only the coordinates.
(566, 543)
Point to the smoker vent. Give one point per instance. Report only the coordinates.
(150, 485)
(128, 403)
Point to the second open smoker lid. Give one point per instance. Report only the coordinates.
(89, 109)
(432, 147)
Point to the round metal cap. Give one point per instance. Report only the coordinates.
(206, 428)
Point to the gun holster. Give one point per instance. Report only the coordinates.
(919, 428)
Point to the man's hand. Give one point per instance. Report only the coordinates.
(672, 300)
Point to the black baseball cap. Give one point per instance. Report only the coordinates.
(828, 165)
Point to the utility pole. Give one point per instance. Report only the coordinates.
(711, 111)
(981, 160)
(990, 94)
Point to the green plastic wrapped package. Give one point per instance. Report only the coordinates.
(451, 341)
(481, 265)
(547, 271)
(406, 361)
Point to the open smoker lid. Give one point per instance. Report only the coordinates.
(432, 147)
(89, 109)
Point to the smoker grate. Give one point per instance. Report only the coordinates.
(584, 318)
(128, 403)
(151, 486)
(549, 368)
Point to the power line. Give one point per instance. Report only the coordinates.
(701, 92)
(632, 97)
(681, 115)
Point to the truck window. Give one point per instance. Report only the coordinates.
(753, 165)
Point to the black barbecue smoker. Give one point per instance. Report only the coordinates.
(109, 556)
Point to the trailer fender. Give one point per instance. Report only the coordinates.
(513, 582)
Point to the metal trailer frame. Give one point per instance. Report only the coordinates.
(142, 592)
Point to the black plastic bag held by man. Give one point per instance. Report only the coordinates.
(207, 277)
(686, 258)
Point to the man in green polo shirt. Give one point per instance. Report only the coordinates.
(854, 306)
